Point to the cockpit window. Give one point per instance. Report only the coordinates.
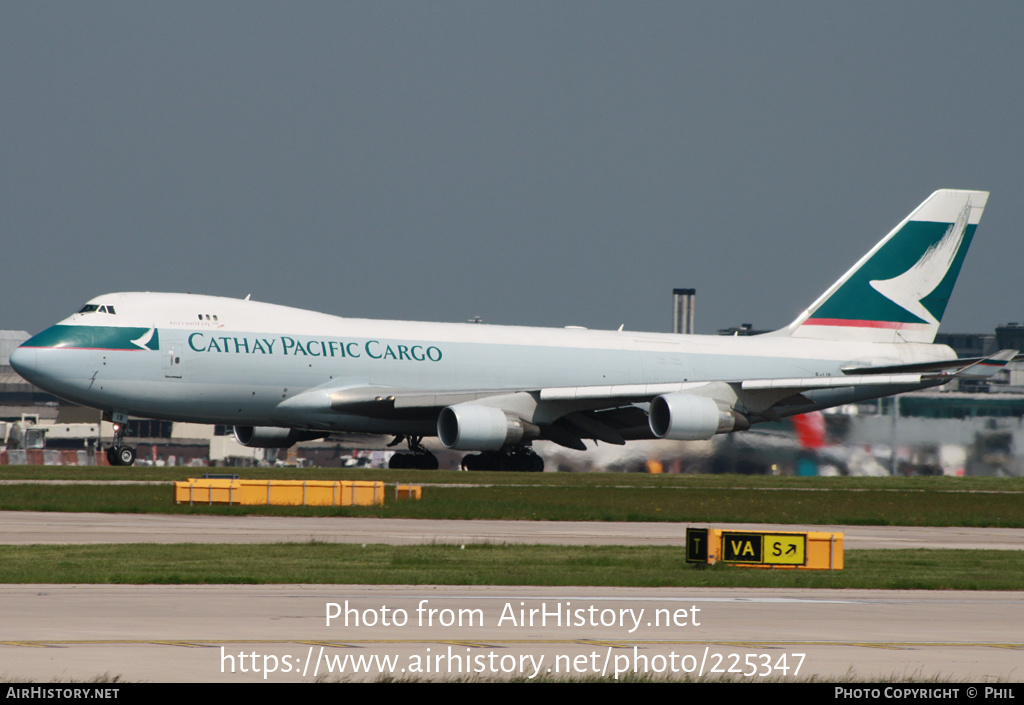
(95, 308)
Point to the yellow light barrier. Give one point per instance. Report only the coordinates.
(408, 492)
(195, 491)
(306, 493)
(811, 550)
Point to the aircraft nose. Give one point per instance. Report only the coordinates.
(24, 361)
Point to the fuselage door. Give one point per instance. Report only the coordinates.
(172, 361)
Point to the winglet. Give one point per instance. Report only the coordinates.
(898, 291)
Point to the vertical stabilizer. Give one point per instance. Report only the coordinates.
(899, 290)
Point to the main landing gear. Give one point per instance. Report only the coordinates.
(118, 453)
(418, 457)
(515, 459)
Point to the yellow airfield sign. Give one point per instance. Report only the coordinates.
(764, 548)
(813, 550)
(785, 549)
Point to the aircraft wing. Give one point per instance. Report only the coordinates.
(387, 400)
(617, 413)
(564, 415)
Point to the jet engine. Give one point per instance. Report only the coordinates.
(474, 427)
(273, 436)
(686, 417)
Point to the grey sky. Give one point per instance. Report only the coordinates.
(536, 163)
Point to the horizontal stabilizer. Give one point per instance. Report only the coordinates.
(955, 367)
(988, 367)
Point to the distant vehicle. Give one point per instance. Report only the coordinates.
(280, 375)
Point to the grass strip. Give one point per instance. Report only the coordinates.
(488, 564)
(32, 473)
(835, 505)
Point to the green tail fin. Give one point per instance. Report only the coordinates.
(899, 290)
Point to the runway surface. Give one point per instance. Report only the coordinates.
(276, 633)
(67, 527)
(281, 633)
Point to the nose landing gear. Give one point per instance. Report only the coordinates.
(121, 455)
(118, 453)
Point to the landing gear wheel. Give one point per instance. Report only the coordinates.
(121, 455)
(118, 453)
(514, 460)
(419, 458)
(126, 454)
(525, 461)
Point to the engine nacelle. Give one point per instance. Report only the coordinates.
(273, 436)
(474, 427)
(687, 417)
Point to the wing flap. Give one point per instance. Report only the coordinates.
(620, 392)
(377, 400)
(808, 383)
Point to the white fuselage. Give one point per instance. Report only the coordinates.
(211, 360)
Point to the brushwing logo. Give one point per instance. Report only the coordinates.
(908, 289)
(148, 340)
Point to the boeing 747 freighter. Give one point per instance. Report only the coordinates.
(280, 375)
